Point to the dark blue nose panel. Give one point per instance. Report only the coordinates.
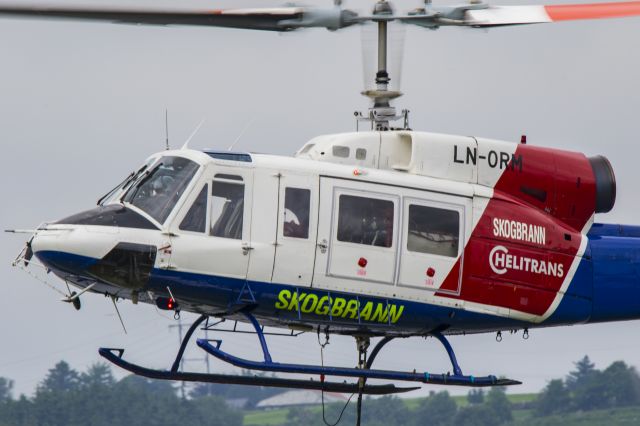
(127, 265)
(63, 264)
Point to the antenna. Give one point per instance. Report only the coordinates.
(244, 129)
(186, 143)
(166, 127)
(113, 299)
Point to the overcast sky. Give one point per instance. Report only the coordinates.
(82, 104)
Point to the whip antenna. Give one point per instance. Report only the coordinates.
(166, 127)
(113, 299)
(244, 129)
(186, 143)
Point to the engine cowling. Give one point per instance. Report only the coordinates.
(564, 184)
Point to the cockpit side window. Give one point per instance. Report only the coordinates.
(158, 191)
(196, 218)
(227, 207)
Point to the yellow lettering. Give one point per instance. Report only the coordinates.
(283, 301)
(366, 311)
(380, 313)
(295, 300)
(338, 306)
(395, 316)
(309, 303)
(352, 308)
(322, 308)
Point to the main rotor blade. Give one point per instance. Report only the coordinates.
(514, 15)
(269, 19)
(483, 15)
(477, 15)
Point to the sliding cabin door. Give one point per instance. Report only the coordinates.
(390, 242)
(357, 237)
(432, 241)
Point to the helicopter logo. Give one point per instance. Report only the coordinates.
(501, 261)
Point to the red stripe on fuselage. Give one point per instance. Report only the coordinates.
(522, 248)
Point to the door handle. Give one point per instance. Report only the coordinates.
(323, 246)
(246, 248)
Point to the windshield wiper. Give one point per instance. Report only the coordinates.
(115, 188)
(122, 185)
(139, 184)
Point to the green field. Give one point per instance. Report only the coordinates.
(278, 416)
(619, 417)
(266, 417)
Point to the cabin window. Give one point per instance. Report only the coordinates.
(227, 207)
(296, 213)
(364, 220)
(361, 154)
(433, 230)
(223, 176)
(340, 151)
(196, 218)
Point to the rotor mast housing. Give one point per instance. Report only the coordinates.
(382, 112)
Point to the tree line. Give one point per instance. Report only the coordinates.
(583, 389)
(439, 409)
(94, 397)
(587, 388)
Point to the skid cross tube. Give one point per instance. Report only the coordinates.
(452, 356)
(457, 378)
(183, 344)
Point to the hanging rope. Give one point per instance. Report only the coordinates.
(324, 418)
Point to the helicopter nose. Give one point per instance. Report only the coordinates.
(77, 251)
(69, 249)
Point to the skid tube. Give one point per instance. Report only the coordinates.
(455, 379)
(115, 356)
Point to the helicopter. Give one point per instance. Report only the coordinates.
(394, 232)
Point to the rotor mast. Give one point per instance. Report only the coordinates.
(382, 113)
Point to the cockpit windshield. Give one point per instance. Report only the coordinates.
(160, 188)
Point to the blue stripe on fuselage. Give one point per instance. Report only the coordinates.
(220, 294)
(608, 278)
(605, 287)
(615, 254)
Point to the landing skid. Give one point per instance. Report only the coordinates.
(115, 356)
(363, 372)
(455, 379)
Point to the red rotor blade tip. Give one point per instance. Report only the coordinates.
(570, 12)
